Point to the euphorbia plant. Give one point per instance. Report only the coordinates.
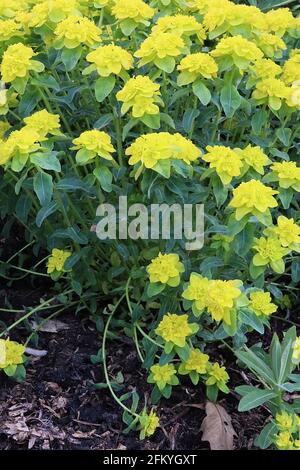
(164, 102)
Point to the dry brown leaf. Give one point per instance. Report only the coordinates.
(51, 326)
(217, 428)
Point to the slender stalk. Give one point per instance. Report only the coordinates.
(148, 337)
(27, 315)
(118, 136)
(134, 326)
(29, 271)
(106, 329)
(20, 251)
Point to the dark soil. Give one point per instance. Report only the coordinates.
(58, 407)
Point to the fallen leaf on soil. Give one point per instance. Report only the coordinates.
(217, 428)
(51, 326)
(36, 352)
(83, 435)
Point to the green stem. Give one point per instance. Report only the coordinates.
(148, 337)
(134, 326)
(29, 271)
(118, 136)
(36, 309)
(106, 329)
(20, 251)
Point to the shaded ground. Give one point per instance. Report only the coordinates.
(58, 407)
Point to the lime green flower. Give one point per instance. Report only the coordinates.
(284, 441)
(57, 260)
(261, 304)
(252, 197)
(17, 62)
(218, 376)
(220, 299)
(92, 143)
(196, 291)
(182, 25)
(175, 329)
(11, 353)
(43, 123)
(225, 161)
(163, 375)
(287, 231)
(141, 94)
(160, 49)
(287, 174)
(279, 21)
(148, 423)
(194, 66)
(75, 31)
(296, 353)
(109, 59)
(270, 44)
(271, 91)
(166, 269)
(196, 362)
(236, 51)
(253, 157)
(265, 68)
(284, 421)
(269, 251)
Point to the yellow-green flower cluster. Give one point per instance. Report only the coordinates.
(17, 62)
(149, 149)
(296, 351)
(75, 31)
(261, 304)
(166, 269)
(163, 375)
(131, 13)
(272, 91)
(287, 231)
(265, 68)
(291, 68)
(197, 362)
(288, 425)
(27, 140)
(11, 353)
(194, 66)
(287, 174)
(43, 123)
(184, 26)
(9, 29)
(148, 424)
(279, 21)
(20, 144)
(53, 11)
(236, 51)
(254, 198)
(226, 162)
(216, 296)
(175, 329)
(269, 251)
(56, 261)
(218, 376)
(253, 157)
(92, 143)
(271, 45)
(110, 59)
(160, 49)
(141, 94)
(233, 19)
